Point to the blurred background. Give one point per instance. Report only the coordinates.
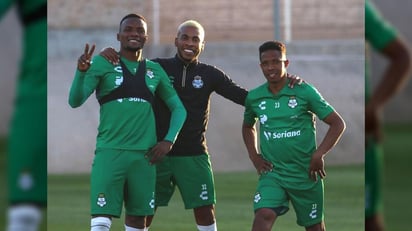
(398, 14)
(398, 126)
(10, 47)
(325, 47)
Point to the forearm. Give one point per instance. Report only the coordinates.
(250, 140)
(333, 135)
(177, 119)
(77, 95)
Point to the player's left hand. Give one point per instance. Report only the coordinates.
(317, 167)
(110, 54)
(157, 153)
(294, 79)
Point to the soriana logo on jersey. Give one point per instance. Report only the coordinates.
(281, 135)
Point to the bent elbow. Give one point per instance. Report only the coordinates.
(73, 103)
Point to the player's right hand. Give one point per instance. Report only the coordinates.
(83, 63)
(262, 166)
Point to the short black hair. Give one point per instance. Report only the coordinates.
(273, 45)
(132, 15)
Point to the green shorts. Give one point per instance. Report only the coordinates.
(373, 178)
(122, 176)
(192, 175)
(307, 202)
(27, 149)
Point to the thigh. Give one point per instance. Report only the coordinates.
(165, 184)
(194, 178)
(270, 194)
(140, 186)
(107, 182)
(308, 204)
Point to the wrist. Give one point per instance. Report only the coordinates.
(253, 156)
(168, 141)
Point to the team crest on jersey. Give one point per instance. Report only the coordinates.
(197, 82)
(150, 74)
(101, 200)
(292, 102)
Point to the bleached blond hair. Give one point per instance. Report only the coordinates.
(195, 24)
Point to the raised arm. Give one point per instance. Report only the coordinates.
(78, 91)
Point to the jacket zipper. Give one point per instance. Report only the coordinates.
(184, 76)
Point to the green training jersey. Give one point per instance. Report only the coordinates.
(287, 130)
(126, 123)
(378, 33)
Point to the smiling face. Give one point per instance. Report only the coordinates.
(189, 43)
(132, 34)
(273, 65)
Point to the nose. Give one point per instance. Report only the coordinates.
(271, 66)
(190, 42)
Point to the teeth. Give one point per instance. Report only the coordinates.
(187, 50)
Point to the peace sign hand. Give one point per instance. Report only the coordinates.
(83, 63)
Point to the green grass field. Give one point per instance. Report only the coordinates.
(397, 177)
(69, 204)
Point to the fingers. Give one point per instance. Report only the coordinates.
(90, 54)
(294, 79)
(157, 153)
(86, 49)
(322, 173)
(110, 55)
(314, 174)
(265, 168)
(87, 54)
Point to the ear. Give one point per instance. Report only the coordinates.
(287, 63)
(203, 46)
(118, 37)
(175, 41)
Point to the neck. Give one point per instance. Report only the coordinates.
(131, 55)
(185, 61)
(275, 87)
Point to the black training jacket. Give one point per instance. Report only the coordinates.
(194, 83)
